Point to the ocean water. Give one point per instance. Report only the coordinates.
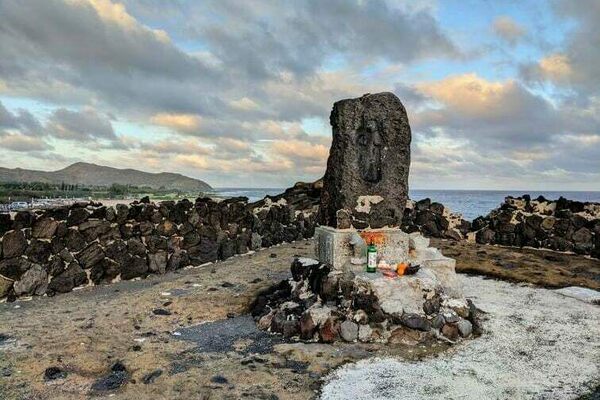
(470, 203)
(473, 203)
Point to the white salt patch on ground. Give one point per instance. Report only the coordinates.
(539, 344)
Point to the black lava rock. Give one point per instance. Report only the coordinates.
(117, 377)
(219, 379)
(53, 373)
(151, 377)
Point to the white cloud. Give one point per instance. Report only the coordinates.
(235, 82)
(186, 123)
(244, 104)
(22, 143)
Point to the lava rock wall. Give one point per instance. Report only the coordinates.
(55, 250)
(429, 218)
(434, 220)
(561, 225)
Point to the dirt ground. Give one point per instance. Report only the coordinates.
(204, 347)
(542, 268)
(85, 332)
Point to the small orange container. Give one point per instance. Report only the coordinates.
(400, 268)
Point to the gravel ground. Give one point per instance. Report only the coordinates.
(538, 344)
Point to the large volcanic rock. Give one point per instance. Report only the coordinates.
(369, 160)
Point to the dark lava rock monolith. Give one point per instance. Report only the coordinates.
(366, 182)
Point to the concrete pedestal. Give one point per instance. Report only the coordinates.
(334, 246)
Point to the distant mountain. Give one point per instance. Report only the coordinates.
(97, 175)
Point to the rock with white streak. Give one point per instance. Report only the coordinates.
(33, 281)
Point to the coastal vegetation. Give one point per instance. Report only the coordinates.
(26, 191)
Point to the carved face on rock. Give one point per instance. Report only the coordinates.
(370, 143)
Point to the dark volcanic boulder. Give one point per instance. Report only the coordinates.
(72, 277)
(23, 219)
(158, 262)
(206, 251)
(116, 250)
(227, 249)
(485, 236)
(55, 266)
(91, 255)
(191, 239)
(559, 243)
(136, 247)
(479, 223)
(578, 221)
(14, 268)
(369, 160)
(92, 229)
(302, 268)
(105, 271)
(5, 223)
(38, 251)
(178, 259)
(437, 208)
(77, 216)
(122, 213)
(58, 213)
(415, 321)
(99, 213)
(44, 228)
(596, 250)
(135, 268)
(33, 281)
(13, 244)
(74, 240)
(146, 228)
(155, 243)
(583, 241)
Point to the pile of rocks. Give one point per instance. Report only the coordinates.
(562, 225)
(56, 250)
(322, 304)
(434, 220)
(303, 196)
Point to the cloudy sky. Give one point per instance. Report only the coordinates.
(500, 94)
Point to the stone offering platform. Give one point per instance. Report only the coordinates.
(344, 250)
(363, 201)
(339, 247)
(335, 298)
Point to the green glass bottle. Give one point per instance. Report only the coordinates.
(371, 258)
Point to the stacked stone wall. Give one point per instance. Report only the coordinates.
(561, 225)
(434, 220)
(55, 250)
